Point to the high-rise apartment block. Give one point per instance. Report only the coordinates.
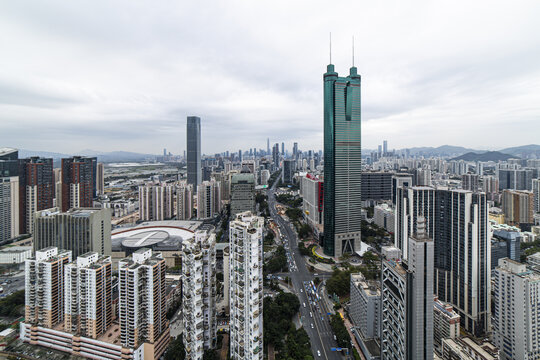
(518, 206)
(445, 324)
(88, 295)
(536, 195)
(407, 301)
(470, 182)
(9, 193)
(242, 193)
(184, 201)
(156, 202)
(44, 287)
(77, 230)
(141, 303)
(457, 221)
(208, 199)
(194, 175)
(246, 288)
(342, 162)
(515, 179)
(516, 311)
(36, 190)
(199, 292)
(78, 182)
(287, 175)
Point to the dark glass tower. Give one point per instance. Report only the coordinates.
(342, 162)
(194, 151)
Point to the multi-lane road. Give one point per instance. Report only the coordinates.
(313, 310)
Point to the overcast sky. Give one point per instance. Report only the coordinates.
(123, 75)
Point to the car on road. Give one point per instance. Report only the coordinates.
(304, 304)
(318, 353)
(312, 325)
(310, 314)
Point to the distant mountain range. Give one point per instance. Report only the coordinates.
(487, 156)
(113, 156)
(525, 152)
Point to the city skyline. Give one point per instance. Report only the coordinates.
(479, 76)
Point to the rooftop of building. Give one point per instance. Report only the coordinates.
(370, 287)
(517, 268)
(6, 151)
(397, 265)
(159, 235)
(16, 249)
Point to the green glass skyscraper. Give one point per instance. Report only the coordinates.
(342, 162)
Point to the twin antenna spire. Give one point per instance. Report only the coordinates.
(331, 49)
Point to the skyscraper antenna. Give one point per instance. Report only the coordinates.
(330, 47)
(353, 51)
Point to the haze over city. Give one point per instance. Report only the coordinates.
(124, 75)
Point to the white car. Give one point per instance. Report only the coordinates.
(312, 325)
(304, 304)
(310, 314)
(318, 353)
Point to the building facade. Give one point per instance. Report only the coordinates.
(78, 182)
(194, 175)
(208, 199)
(77, 230)
(342, 162)
(156, 202)
(36, 190)
(184, 201)
(44, 287)
(365, 305)
(242, 193)
(246, 287)
(199, 292)
(516, 311)
(9, 193)
(312, 191)
(518, 206)
(88, 295)
(445, 324)
(141, 303)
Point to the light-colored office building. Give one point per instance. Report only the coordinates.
(44, 287)
(246, 288)
(88, 295)
(156, 202)
(15, 254)
(199, 291)
(365, 305)
(9, 207)
(407, 301)
(142, 304)
(79, 230)
(468, 349)
(311, 190)
(516, 312)
(384, 217)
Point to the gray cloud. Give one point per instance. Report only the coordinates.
(124, 75)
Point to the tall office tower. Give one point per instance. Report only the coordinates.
(194, 176)
(455, 220)
(246, 288)
(184, 201)
(376, 185)
(141, 302)
(78, 182)
(88, 295)
(400, 180)
(445, 324)
(100, 179)
(470, 182)
(287, 174)
(199, 292)
(379, 151)
(156, 202)
(423, 177)
(295, 150)
(407, 301)
(365, 305)
(77, 230)
(516, 310)
(283, 149)
(275, 155)
(44, 286)
(242, 193)
(208, 199)
(518, 206)
(9, 193)
(342, 162)
(240, 156)
(536, 195)
(385, 147)
(267, 146)
(36, 190)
